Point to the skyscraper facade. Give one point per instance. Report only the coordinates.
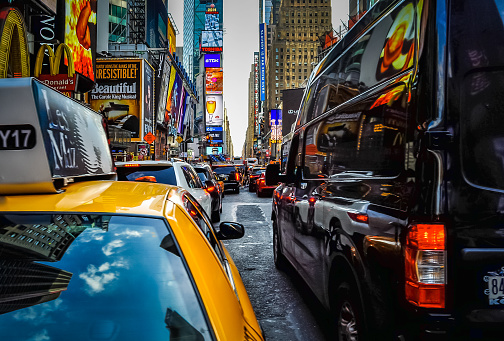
(295, 45)
(194, 23)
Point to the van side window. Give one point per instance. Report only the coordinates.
(369, 142)
(382, 53)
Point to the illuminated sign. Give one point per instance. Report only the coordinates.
(213, 83)
(61, 82)
(80, 26)
(256, 93)
(13, 42)
(276, 125)
(213, 150)
(262, 51)
(214, 110)
(211, 39)
(212, 21)
(212, 60)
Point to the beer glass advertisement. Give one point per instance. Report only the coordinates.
(148, 99)
(214, 110)
(214, 83)
(80, 34)
(118, 94)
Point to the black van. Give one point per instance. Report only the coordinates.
(391, 206)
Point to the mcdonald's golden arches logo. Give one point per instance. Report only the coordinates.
(54, 59)
(13, 44)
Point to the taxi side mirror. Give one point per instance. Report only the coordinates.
(230, 230)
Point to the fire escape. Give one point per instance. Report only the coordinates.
(136, 9)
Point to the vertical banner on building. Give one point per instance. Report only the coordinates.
(262, 51)
(118, 93)
(256, 93)
(173, 104)
(291, 101)
(80, 34)
(167, 112)
(162, 78)
(148, 99)
(214, 110)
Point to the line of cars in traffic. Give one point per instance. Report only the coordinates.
(84, 256)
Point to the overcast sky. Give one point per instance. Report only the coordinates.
(241, 40)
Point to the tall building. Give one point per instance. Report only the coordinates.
(294, 46)
(194, 23)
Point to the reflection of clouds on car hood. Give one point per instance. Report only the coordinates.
(115, 244)
(38, 314)
(97, 278)
(43, 335)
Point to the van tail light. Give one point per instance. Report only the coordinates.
(425, 265)
(210, 189)
(237, 177)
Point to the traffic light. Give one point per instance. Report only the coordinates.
(152, 149)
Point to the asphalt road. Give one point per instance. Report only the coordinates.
(284, 306)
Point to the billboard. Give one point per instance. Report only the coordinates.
(291, 101)
(173, 103)
(213, 82)
(168, 103)
(214, 110)
(211, 41)
(212, 21)
(216, 134)
(80, 34)
(212, 60)
(276, 125)
(118, 93)
(162, 78)
(172, 39)
(262, 52)
(213, 150)
(148, 99)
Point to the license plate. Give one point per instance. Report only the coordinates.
(495, 287)
(15, 137)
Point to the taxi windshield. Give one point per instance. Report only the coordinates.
(95, 277)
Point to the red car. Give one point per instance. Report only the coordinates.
(261, 188)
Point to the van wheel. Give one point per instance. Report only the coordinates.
(237, 190)
(347, 314)
(215, 216)
(278, 257)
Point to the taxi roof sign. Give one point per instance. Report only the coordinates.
(48, 139)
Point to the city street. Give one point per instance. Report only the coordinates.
(284, 307)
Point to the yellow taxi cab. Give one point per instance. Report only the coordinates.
(86, 257)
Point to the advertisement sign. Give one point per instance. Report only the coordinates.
(44, 30)
(118, 94)
(148, 99)
(214, 110)
(262, 51)
(172, 41)
(213, 150)
(171, 83)
(13, 39)
(212, 60)
(213, 83)
(276, 125)
(256, 93)
(211, 41)
(216, 134)
(181, 112)
(291, 101)
(173, 106)
(62, 137)
(62, 82)
(212, 21)
(162, 75)
(80, 34)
